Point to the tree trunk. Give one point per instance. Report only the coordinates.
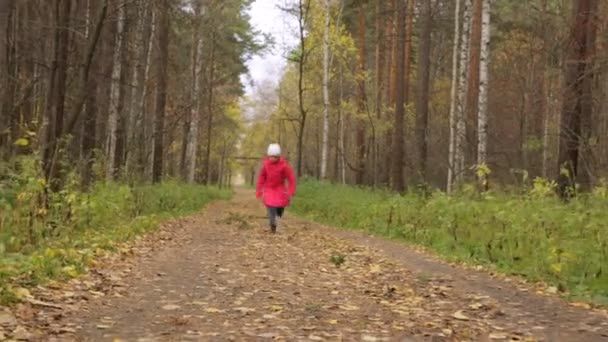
(325, 142)
(473, 80)
(57, 94)
(578, 100)
(161, 90)
(302, 13)
(192, 137)
(361, 100)
(210, 99)
(398, 139)
(6, 10)
(379, 87)
(460, 142)
(115, 105)
(453, 100)
(482, 116)
(145, 119)
(422, 102)
(389, 75)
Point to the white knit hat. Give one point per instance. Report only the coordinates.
(274, 150)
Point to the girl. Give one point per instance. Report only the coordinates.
(271, 186)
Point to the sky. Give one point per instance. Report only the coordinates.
(268, 18)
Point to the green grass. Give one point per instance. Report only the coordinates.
(37, 244)
(533, 234)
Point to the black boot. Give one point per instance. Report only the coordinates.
(273, 228)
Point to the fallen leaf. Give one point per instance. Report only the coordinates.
(315, 338)
(21, 293)
(349, 307)
(552, 290)
(244, 310)
(21, 334)
(103, 326)
(45, 304)
(498, 336)
(171, 307)
(476, 306)
(7, 318)
(213, 310)
(267, 335)
(460, 315)
(333, 321)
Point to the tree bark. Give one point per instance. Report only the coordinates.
(115, 90)
(482, 115)
(578, 98)
(422, 102)
(361, 100)
(210, 99)
(325, 143)
(473, 80)
(453, 100)
(460, 140)
(6, 10)
(398, 139)
(192, 136)
(161, 90)
(57, 93)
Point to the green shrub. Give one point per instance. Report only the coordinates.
(58, 240)
(534, 235)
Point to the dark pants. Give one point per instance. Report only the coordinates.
(272, 215)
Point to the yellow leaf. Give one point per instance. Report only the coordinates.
(460, 315)
(333, 321)
(22, 142)
(276, 307)
(21, 293)
(213, 310)
(70, 271)
(375, 269)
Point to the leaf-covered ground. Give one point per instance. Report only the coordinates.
(220, 276)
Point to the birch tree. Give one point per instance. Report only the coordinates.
(453, 99)
(192, 136)
(115, 105)
(482, 127)
(325, 142)
(460, 137)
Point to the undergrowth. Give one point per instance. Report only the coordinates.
(60, 240)
(531, 234)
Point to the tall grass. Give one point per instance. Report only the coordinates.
(532, 234)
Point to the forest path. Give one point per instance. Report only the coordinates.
(220, 276)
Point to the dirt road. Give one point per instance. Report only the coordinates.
(220, 276)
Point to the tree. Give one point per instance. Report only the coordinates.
(161, 89)
(482, 128)
(326, 66)
(116, 98)
(422, 101)
(398, 127)
(578, 98)
(193, 125)
(460, 136)
(453, 100)
(361, 98)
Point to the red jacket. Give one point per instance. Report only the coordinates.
(271, 183)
